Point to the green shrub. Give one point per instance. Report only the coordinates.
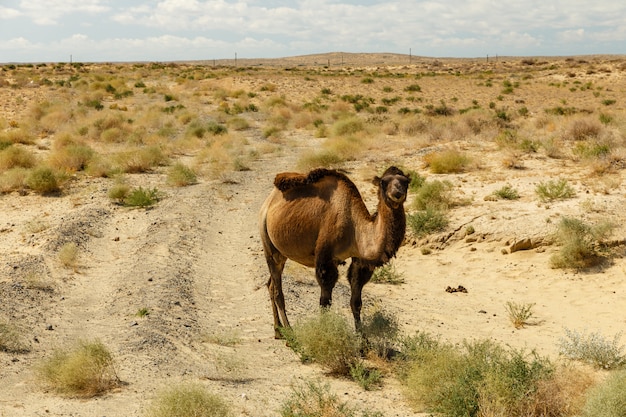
(413, 88)
(593, 348)
(578, 243)
(381, 332)
(142, 197)
(607, 399)
(367, 378)
(481, 378)
(554, 190)
(181, 175)
(329, 340)
(436, 195)
(188, 400)
(427, 221)
(506, 193)
(42, 180)
(387, 274)
(85, 370)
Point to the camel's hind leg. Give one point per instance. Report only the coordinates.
(276, 264)
(358, 276)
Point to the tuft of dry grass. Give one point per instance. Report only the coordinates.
(519, 313)
(68, 255)
(16, 156)
(447, 162)
(186, 400)
(85, 370)
(11, 339)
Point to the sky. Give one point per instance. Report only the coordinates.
(174, 30)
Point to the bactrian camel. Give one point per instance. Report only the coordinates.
(319, 220)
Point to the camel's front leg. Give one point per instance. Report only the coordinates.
(326, 274)
(358, 276)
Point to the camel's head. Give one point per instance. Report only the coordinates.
(393, 186)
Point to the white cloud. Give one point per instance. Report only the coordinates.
(48, 12)
(7, 13)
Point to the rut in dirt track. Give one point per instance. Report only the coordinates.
(193, 263)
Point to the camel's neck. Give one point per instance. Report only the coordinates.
(380, 240)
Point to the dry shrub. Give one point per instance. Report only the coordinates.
(68, 255)
(181, 175)
(55, 120)
(141, 159)
(20, 135)
(313, 399)
(447, 162)
(333, 152)
(84, 370)
(16, 156)
(416, 125)
(11, 339)
(579, 243)
(71, 155)
(42, 180)
(13, 180)
(189, 399)
(583, 129)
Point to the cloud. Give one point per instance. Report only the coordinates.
(7, 13)
(48, 12)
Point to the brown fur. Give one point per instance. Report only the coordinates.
(319, 220)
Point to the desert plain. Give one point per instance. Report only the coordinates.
(176, 290)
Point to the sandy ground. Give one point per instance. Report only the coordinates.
(195, 262)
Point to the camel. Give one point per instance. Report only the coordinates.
(320, 220)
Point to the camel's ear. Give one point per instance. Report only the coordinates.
(376, 181)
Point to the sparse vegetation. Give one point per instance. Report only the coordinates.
(482, 378)
(127, 130)
(314, 399)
